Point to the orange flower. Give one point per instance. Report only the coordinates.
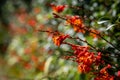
(76, 22)
(58, 8)
(32, 22)
(94, 33)
(104, 75)
(85, 58)
(83, 68)
(58, 39)
(85, 62)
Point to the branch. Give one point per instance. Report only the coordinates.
(87, 29)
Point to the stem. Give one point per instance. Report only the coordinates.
(58, 16)
(117, 54)
(103, 38)
(110, 43)
(45, 31)
(73, 38)
(87, 29)
(68, 43)
(85, 42)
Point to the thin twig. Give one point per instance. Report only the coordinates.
(103, 38)
(45, 31)
(87, 29)
(85, 42)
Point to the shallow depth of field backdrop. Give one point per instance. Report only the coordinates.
(29, 49)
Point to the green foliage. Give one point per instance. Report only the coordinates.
(22, 44)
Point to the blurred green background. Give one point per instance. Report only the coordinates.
(26, 54)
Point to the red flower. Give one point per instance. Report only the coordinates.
(85, 62)
(98, 60)
(59, 38)
(85, 59)
(32, 22)
(94, 33)
(104, 75)
(76, 22)
(83, 68)
(58, 8)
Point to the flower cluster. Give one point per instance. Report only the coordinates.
(94, 33)
(76, 22)
(104, 75)
(59, 38)
(85, 58)
(81, 55)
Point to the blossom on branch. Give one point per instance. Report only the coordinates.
(94, 33)
(58, 9)
(76, 22)
(104, 75)
(85, 58)
(59, 38)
